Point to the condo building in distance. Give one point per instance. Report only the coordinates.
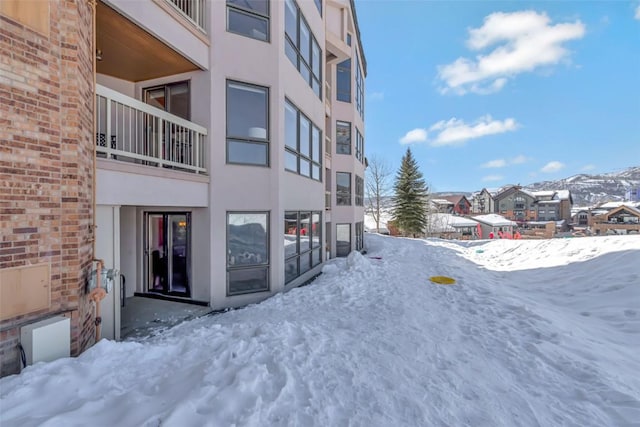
(208, 152)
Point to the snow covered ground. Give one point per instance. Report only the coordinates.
(534, 333)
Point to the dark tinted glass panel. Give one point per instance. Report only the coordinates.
(290, 269)
(247, 239)
(343, 138)
(344, 81)
(257, 6)
(290, 126)
(247, 111)
(247, 152)
(316, 230)
(290, 161)
(343, 239)
(305, 231)
(316, 257)
(248, 280)
(248, 25)
(290, 234)
(305, 263)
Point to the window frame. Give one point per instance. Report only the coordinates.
(339, 67)
(298, 152)
(310, 251)
(248, 12)
(359, 235)
(359, 145)
(243, 139)
(359, 193)
(300, 59)
(341, 123)
(359, 89)
(338, 194)
(265, 266)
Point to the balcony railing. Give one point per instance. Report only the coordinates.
(193, 10)
(130, 130)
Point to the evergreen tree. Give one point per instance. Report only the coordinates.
(410, 197)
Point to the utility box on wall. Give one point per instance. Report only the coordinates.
(24, 290)
(47, 340)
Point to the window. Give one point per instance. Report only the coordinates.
(302, 236)
(249, 18)
(359, 236)
(343, 239)
(173, 98)
(343, 137)
(303, 144)
(301, 47)
(247, 124)
(359, 191)
(359, 146)
(343, 77)
(319, 5)
(348, 39)
(247, 252)
(343, 188)
(359, 88)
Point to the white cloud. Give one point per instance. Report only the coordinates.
(457, 132)
(498, 163)
(586, 168)
(553, 166)
(376, 96)
(492, 178)
(521, 41)
(518, 160)
(413, 136)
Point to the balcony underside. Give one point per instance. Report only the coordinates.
(129, 52)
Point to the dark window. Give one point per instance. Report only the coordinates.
(359, 146)
(359, 236)
(247, 124)
(344, 81)
(343, 188)
(319, 5)
(303, 144)
(359, 88)
(302, 235)
(249, 18)
(247, 252)
(301, 47)
(349, 39)
(343, 137)
(343, 239)
(359, 191)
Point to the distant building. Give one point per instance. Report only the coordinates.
(461, 205)
(632, 194)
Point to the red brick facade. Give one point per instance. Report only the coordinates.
(46, 164)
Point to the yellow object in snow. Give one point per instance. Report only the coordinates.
(442, 280)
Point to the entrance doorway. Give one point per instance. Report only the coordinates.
(167, 253)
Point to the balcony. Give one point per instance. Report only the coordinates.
(193, 10)
(131, 131)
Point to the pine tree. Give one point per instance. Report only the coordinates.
(410, 197)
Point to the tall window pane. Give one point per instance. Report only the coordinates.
(343, 188)
(249, 18)
(302, 48)
(302, 230)
(343, 137)
(247, 252)
(305, 134)
(343, 239)
(344, 81)
(291, 126)
(247, 124)
(303, 143)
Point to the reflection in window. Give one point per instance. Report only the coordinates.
(359, 146)
(359, 191)
(301, 47)
(359, 88)
(247, 124)
(359, 236)
(343, 239)
(302, 143)
(249, 18)
(343, 137)
(302, 234)
(343, 188)
(343, 77)
(247, 252)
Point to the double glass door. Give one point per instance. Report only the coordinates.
(168, 253)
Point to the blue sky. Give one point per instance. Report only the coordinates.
(488, 93)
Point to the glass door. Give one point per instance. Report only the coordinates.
(167, 252)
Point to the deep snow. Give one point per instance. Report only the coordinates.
(534, 333)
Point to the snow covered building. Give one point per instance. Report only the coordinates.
(493, 224)
(210, 152)
(523, 206)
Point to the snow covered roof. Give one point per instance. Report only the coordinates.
(452, 220)
(611, 205)
(494, 220)
(441, 202)
(548, 202)
(545, 193)
(563, 194)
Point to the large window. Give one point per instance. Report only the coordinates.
(343, 137)
(302, 236)
(249, 18)
(343, 239)
(359, 236)
(303, 144)
(359, 146)
(344, 81)
(301, 47)
(359, 191)
(247, 124)
(359, 88)
(343, 188)
(247, 252)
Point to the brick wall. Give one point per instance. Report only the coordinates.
(46, 163)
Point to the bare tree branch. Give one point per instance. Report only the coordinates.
(378, 186)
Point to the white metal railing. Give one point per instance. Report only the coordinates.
(194, 10)
(130, 130)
